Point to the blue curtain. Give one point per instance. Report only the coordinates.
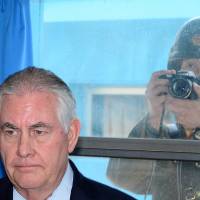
(15, 36)
(15, 39)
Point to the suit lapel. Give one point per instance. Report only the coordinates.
(79, 183)
(6, 189)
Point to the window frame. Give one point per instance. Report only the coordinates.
(139, 148)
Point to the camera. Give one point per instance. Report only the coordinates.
(181, 84)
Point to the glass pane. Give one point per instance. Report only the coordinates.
(107, 51)
(95, 168)
(156, 180)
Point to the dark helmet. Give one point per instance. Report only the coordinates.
(187, 44)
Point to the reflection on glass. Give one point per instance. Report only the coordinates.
(145, 179)
(172, 95)
(170, 115)
(166, 180)
(95, 168)
(91, 48)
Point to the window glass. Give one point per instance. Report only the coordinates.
(107, 52)
(96, 169)
(145, 179)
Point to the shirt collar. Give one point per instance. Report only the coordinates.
(62, 192)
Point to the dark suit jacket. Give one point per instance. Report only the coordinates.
(82, 189)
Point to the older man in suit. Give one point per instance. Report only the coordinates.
(38, 129)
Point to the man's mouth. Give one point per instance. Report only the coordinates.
(26, 168)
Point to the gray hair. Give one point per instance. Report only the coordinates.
(33, 79)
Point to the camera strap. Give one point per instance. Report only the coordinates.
(162, 133)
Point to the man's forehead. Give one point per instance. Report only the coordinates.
(29, 95)
(29, 105)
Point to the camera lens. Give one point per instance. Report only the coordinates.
(181, 88)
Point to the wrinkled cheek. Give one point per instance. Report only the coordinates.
(32, 179)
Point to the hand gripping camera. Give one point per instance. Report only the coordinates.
(181, 84)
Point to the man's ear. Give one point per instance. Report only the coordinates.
(73, 134)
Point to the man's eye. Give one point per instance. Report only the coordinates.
(39, 132)
(9, 132)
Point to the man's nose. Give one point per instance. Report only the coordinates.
(25, 146)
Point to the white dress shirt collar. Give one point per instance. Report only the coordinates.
(62, 192)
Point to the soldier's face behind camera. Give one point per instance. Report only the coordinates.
(192, 64)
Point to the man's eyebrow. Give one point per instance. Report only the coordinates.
(8, 125)
(40, 125)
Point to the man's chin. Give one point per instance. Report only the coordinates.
(28, 180)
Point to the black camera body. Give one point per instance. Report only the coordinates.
(181, 84)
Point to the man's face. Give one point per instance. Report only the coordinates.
(33, 144)
(192, 64)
